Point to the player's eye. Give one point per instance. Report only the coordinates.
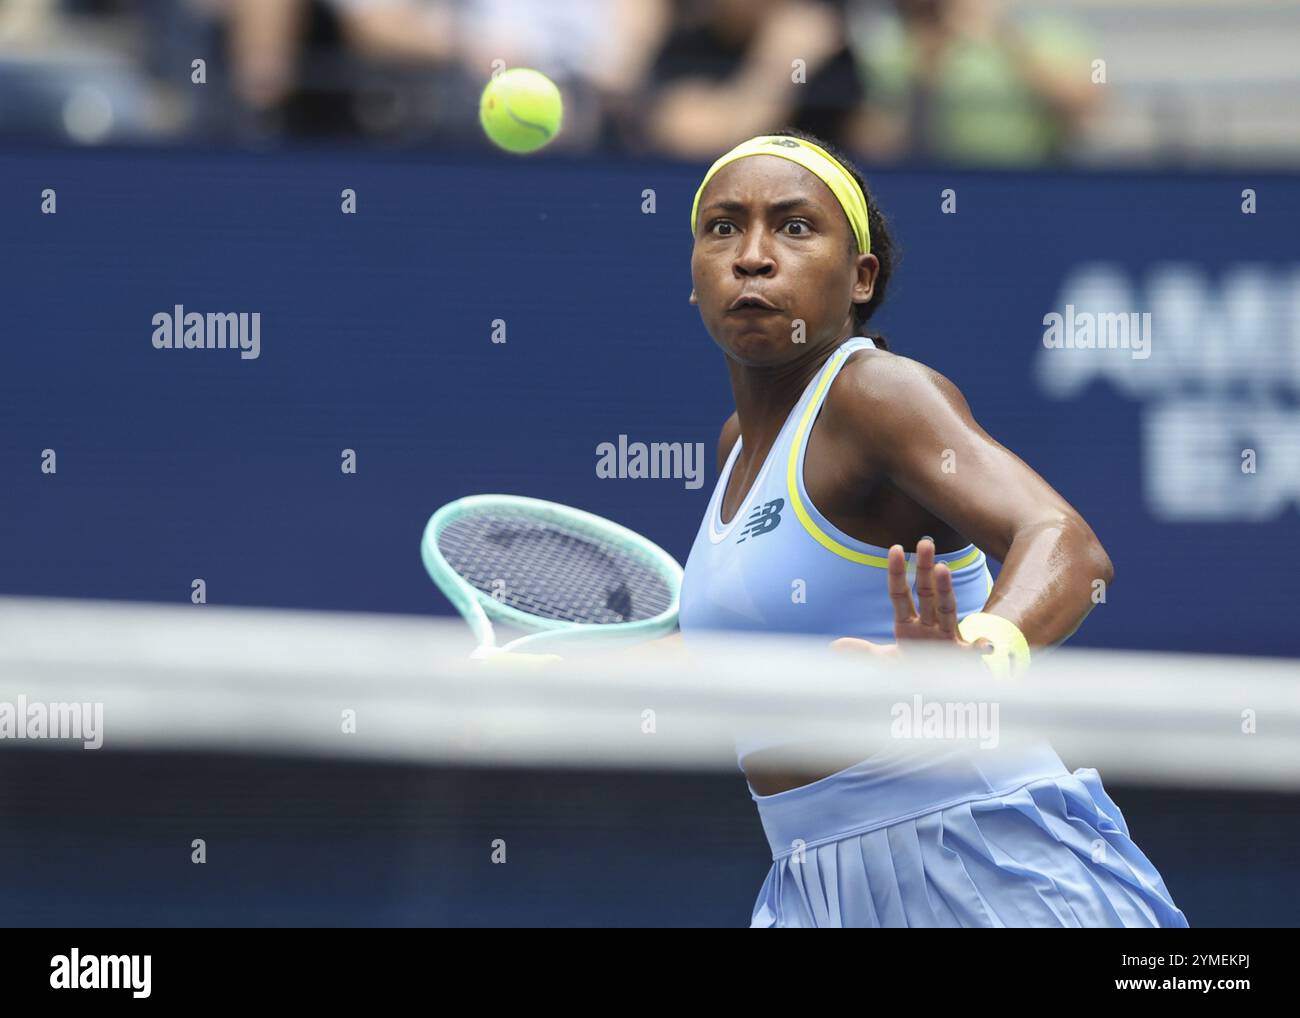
(713, 227)
(805, 227)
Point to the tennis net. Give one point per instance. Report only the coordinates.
(404, 688)
(354, 769)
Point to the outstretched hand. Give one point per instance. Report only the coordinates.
(936, 617)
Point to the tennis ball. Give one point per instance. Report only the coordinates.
(521, 110)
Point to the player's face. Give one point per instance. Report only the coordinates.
(767, 227)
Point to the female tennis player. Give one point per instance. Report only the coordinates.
(840, 454)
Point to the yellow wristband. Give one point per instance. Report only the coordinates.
(1010, 654)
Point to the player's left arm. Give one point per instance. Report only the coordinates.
(920, 432)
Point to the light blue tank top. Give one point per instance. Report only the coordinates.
(780, 566)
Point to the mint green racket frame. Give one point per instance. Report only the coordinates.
(481, 609)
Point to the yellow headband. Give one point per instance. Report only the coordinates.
(813, 158)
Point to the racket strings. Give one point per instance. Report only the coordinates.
(553, 571)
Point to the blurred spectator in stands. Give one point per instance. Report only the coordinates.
(414, 68)
(957, 81)
(727, 72)
(291, 71)
(597, 51)
(70, 72)
(952, 79)
(265, 37)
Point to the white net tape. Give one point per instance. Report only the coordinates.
(384, 687)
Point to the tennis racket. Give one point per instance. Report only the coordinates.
(562, 575)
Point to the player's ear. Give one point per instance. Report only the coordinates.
(868, 270)
(693, 298)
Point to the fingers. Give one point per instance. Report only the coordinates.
(946, 601)
(936, 617)
(925, 592)
(900, 594)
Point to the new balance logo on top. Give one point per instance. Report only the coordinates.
(762, 520)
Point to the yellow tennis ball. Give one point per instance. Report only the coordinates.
(521, 110)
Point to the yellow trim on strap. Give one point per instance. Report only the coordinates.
(965, 560)
(792, 488)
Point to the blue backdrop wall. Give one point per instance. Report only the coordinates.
(376, 336)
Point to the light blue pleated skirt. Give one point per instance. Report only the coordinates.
(956, 837)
